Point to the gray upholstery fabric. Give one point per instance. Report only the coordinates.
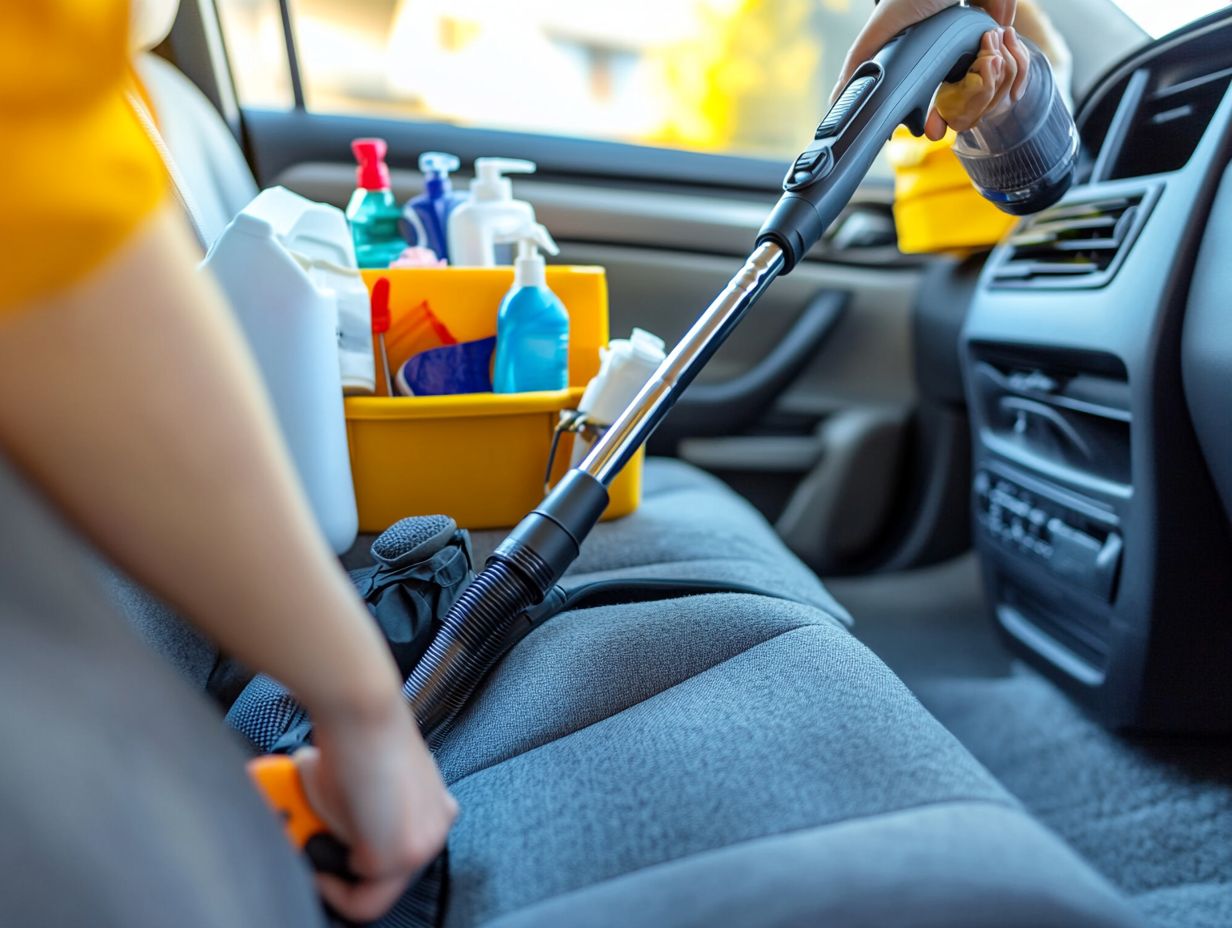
(160, 628)
(691, 526)
(617, 741)
(952, 865)
(123, 799)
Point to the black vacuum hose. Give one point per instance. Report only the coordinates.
(458, 658)
(518, 576)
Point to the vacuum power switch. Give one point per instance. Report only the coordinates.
(846, 106)
(816, 161)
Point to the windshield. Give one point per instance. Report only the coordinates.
(1158, 17)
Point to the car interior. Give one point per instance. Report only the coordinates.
(988, 495)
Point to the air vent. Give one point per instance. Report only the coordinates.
(1074, 245)
(1169, 124)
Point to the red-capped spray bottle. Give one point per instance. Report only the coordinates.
(373, 212)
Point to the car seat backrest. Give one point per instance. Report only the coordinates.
(207, 157)
(205, 152)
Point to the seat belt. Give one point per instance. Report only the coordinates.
(179, 186)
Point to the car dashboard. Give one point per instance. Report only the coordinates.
(1096, 356)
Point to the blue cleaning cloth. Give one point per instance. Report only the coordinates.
(464, 368)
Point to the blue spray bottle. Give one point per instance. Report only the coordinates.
(425, 218)
(532, 329)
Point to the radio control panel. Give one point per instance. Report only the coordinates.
(1084, 551)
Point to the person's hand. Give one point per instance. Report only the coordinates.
(374, 783)
(1000, 68)
(999, 73)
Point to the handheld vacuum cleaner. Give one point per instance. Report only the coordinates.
(1022, 159)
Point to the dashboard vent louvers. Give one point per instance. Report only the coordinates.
(1073, 245)
(1169, 124)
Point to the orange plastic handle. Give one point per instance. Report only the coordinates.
(277, 778)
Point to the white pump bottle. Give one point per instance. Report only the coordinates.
(490, 214)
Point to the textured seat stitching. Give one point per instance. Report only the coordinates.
(535, 747)
(772, 597)
(700, 561)
(1007, 805)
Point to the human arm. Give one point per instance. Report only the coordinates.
(130, 400)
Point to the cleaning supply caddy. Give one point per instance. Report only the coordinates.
(479, 457)
(288, 270)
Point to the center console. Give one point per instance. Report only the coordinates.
(1105, 550)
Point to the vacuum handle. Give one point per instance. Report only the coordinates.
(276, 777)
(895, 87)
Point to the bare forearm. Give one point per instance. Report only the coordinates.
(137, 410)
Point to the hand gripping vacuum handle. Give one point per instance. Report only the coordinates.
(277, 779)
(895, 88)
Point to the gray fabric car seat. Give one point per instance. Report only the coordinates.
(719, 760)
(220, 182)
(123, 800)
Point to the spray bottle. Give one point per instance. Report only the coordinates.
(491, 212)
(532, 329)
(430, 211)
(373, 212)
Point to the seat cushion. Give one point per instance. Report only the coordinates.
(691, 526)
(124, 800)
(954, 865)
(724, 754)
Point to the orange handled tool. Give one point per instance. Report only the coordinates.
(277, 779)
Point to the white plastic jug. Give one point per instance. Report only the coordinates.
(283, 263)
(626, 364)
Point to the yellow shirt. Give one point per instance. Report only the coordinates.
(77, 173)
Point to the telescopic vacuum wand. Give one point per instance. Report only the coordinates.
(896, 87)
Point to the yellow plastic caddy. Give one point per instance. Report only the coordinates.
(480, 457)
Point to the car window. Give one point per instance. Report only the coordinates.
(1161, 18)
(744, 77)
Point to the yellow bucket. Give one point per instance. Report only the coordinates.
(480, 457)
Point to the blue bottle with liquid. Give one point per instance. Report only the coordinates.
(425, 218)
(532, 329)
